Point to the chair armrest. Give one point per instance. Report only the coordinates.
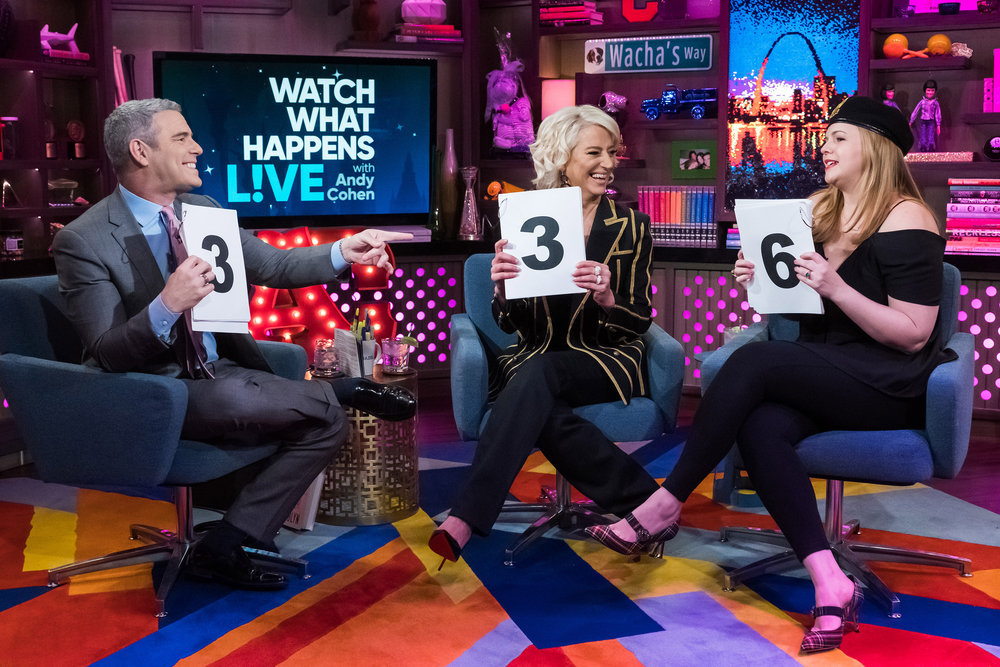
(949, 407)
(83, 426)
(285, 359)
(665, 362)
(469, 377)
(714, 361)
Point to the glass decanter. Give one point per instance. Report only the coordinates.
(470, 228)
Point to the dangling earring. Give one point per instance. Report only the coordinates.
(563, 180)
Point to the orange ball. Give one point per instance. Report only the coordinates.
(938, 45)
(895, 45)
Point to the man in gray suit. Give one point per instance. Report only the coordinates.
(127, 294)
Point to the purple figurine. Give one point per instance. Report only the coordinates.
(927, 115)
(889, 97)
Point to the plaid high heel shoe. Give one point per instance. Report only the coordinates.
(644, 541)
(817, 641)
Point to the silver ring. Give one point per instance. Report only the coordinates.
(205, 276)
(597, 270)
(598, 278)
(808, 274)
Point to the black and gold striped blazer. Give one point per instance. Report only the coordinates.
(621, 239)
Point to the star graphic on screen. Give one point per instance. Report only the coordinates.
(209, 169)
(336, 74)
(399, 127)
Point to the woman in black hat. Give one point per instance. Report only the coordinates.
(863, 365)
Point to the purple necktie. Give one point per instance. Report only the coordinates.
(194, 349)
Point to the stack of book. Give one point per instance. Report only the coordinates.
(680, 215)
(569, 12)
(972, 216)
(419, 32)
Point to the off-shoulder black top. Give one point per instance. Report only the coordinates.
(906, 265)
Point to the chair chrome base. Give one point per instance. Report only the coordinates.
(559, 511)
(851, 555)
(167, 546)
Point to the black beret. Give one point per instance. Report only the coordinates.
(876, 117)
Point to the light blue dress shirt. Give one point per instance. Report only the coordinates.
(162, 319)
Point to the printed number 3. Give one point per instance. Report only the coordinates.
(773, 259)
(550, 229)
(218, 247)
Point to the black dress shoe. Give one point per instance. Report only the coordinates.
(235, 569)
(385, 401)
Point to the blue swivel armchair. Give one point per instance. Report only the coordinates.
(897, 457)
(475, 336)
(85, 427)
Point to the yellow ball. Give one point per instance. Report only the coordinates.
(938, 45)
(894, 45)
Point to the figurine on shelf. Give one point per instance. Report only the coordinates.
(927, 115)
(507, 104)
(889, 97)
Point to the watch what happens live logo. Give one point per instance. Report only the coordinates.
(329, 122)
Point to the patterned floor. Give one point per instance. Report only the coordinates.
(376, 596)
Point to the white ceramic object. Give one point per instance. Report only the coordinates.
(424, 11)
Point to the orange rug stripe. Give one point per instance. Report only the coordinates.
(302, 629)
(419, 624)
(601, 654)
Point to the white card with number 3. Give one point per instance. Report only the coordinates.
(214, 235)
(544, 229)
(773, 233)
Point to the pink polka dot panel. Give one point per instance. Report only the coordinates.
(699, 308)
(420, 287)
(979, 303)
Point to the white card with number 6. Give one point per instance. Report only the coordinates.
(773, 233)
(214, 235)
(544, 229)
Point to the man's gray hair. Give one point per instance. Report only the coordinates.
(132, 120)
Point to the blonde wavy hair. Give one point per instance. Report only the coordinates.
(558, 135)
(885, 179)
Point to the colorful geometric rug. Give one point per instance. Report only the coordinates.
(376, 596)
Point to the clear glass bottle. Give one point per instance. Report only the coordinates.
(470, 229)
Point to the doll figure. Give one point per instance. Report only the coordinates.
(507, 106)
(889, 96)
(927, 115)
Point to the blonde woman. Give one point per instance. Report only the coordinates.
(863, 365)
(572, 350)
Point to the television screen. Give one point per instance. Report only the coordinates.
(304, 140)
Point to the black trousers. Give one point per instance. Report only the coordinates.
(535, 409)
(766, 398)
(243, 405)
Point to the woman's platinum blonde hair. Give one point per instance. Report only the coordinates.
(557, 136)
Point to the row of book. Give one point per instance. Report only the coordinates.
(972, 216)
(421, 32)
(680, 215)
(569, 12)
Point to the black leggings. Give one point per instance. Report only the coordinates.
(767, 397)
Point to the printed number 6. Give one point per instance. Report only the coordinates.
(772, 260)
(220, 250)
(550, 229)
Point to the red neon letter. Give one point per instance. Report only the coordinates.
(636, 11)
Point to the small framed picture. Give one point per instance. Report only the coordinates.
(692, 159)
